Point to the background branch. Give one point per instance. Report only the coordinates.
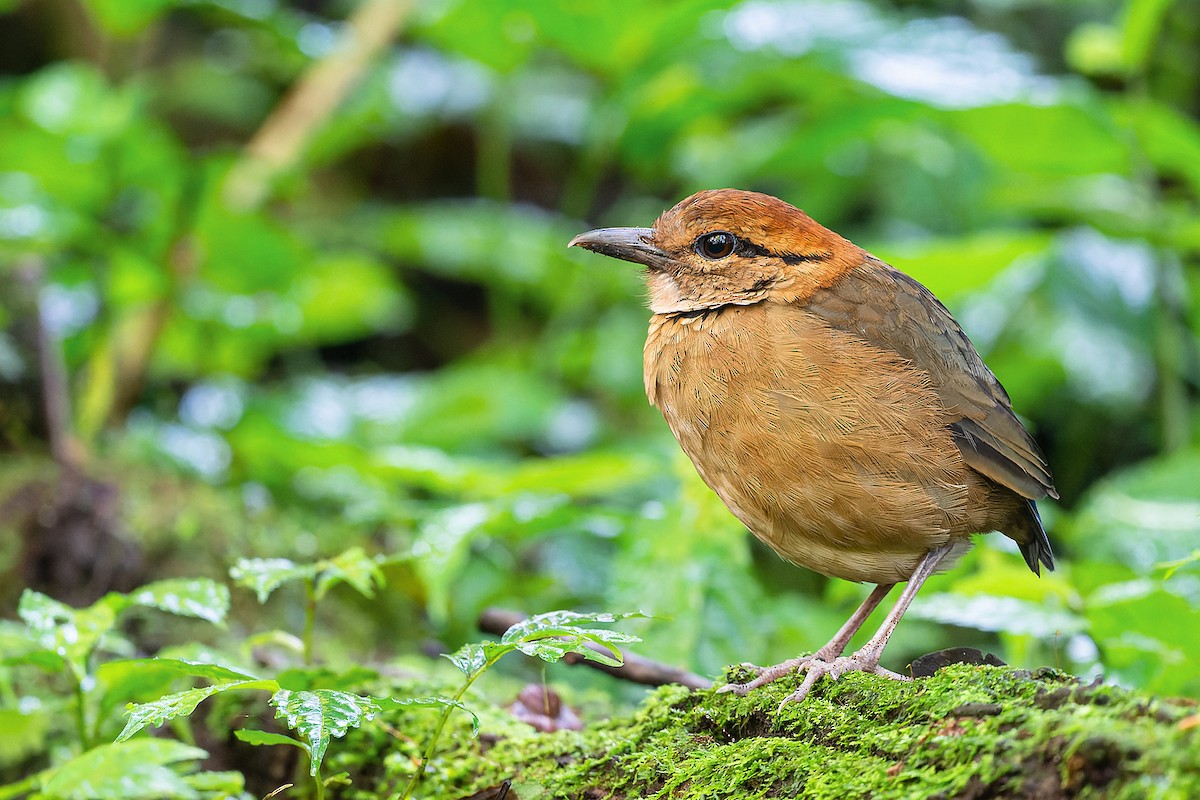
(281, 139)
(636, 669)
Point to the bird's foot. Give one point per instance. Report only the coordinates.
(859, 662)
(815, 667)
(764, 675)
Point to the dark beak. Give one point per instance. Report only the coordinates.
(627, 244)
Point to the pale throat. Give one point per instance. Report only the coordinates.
(664, 294)
(667, 296)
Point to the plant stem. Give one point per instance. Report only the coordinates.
(85, 741)
(320, 784)
(310, 615)
(437, 732)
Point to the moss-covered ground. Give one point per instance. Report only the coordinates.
(967, 732)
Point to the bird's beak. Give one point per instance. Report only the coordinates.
(627, 244)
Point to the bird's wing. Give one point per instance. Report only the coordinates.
(914, 324)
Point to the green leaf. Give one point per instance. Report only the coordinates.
(268, 738)
(320, 714)
(124, 771)
(75, 99)
(346, 296)
(127, 17)
(442, 547)
(145, 679)
(939, 263)
(176, 667)
(994, 613)
(1171, 567)
(587, 475)
(181, 704)
(1169, 137)
(223, 784)
(559, 642)
(473, 658)
(1141, 516)
(430, 702)
(1143, 20)
(470, 658)
(24, 729)
(322, 677)
(1159, 656)
(265, 575)
(339, 779)
(354, 567)
(275, 639)
(21, 645)
(552, 635)
(549, 636)
(1095, 145)
(1095, 48)
(69, 633)
(188, 597)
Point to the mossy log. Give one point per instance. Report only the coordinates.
(966, 732)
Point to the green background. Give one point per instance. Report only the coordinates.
(287, 330)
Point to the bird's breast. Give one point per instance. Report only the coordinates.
(831, 450)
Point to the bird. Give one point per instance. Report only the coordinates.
(832, 402)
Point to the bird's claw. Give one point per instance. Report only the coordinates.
(815, 667)
(765, 675)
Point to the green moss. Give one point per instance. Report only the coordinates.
(967, 732)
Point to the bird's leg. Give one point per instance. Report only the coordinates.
(835, 646)
(866, 658)
(829, 652)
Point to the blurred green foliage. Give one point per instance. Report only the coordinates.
(378, 339)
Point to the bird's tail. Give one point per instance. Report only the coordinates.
(1027, 531)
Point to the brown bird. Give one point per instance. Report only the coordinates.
(832, 403)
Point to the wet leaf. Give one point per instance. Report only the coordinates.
(473, 657)
(265, 575)
(321, 714)
(354, 567)
(188, 597)
(71, 634)
(21, 645)
(175, 667)
(268, 738)
(552, 635)
(181, 704)
(430, 702)
(138, 770)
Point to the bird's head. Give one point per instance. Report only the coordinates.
(728, 247)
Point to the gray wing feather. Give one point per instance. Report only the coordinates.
(990, 437)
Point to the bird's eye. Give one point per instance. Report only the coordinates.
(716, 245)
